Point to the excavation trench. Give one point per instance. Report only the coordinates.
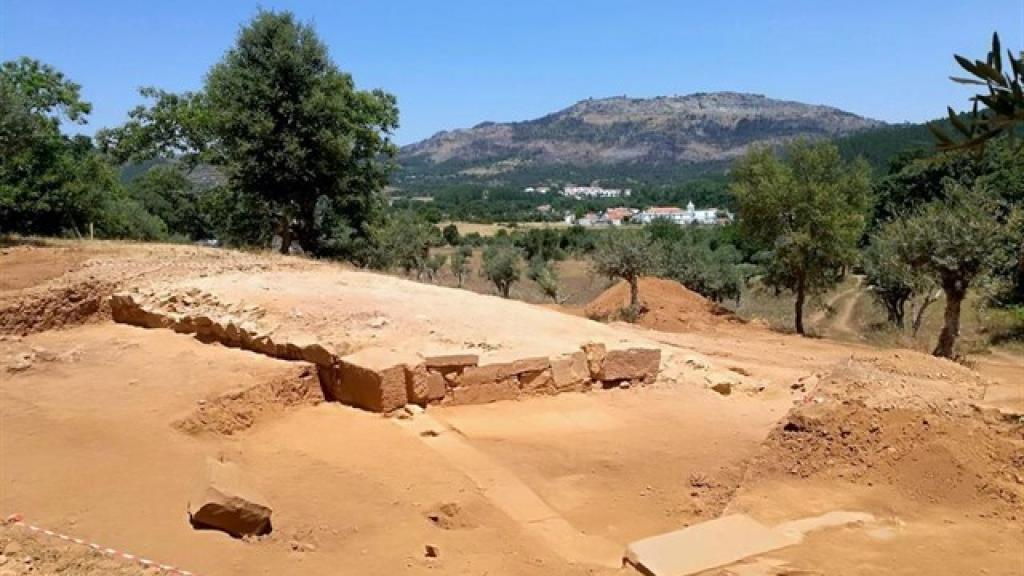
(380, 379)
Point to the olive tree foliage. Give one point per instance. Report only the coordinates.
(626, 254)
(997, 111)
(894, 282)
(701, 259)
(403, 241)
(287, 126)
(544, 274)
(956, 241)
(502, 266)
(806, 211)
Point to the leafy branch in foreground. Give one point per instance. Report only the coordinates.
(1003, 104)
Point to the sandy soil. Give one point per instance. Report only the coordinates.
(92, 441)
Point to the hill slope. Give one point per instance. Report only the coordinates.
(623, 133)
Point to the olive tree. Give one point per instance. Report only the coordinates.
(502, 266)
(955, 240)
(806, 211)
(459, 263)
(626, 254)
(1002, 104)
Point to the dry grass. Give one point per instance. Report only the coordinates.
(492, 229)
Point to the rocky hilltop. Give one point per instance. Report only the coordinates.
(693, 129)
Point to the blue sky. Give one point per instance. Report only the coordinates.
(453, 64)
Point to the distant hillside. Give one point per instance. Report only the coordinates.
(622, 138)
(882, 144)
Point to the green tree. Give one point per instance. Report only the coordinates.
(167, 193)
(403, 241)
(955, 240)
(626, 254)
(450, 233)
(546, 277)
(49, 183)
(459, 263)
(289, 128)
(807, 211)
(501, 265)
(434, 264)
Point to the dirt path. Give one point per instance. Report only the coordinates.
(839, 325)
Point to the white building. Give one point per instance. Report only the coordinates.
(691, 215)
(595, 192)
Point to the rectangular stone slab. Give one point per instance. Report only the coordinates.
(707, 545)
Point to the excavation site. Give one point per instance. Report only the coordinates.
(189, 410)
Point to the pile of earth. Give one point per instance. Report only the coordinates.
(865, 424)
(666, 305)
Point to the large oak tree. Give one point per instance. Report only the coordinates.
(289, 128)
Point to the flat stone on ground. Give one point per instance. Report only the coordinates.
(704, 546)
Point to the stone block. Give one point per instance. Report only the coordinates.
(484, 392)
(570, 372)
(536, 364)
(477, 375)
(632, 364)
(377, 390)
(595, 353)
(537, 382)
(424, 386)
(450, 362)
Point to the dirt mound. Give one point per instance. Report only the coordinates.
(920, 437)
(667, 306)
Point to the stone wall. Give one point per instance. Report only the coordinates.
(381, 380)
(460, 379)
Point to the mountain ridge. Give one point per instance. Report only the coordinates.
(693, 129)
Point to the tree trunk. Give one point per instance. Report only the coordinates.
(798, 308)
(929, 299)
(285, 232)
(951, 320)
(634, 293)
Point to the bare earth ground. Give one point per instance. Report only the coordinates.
(104, 429)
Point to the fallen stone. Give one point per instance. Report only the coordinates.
(223, 502)
(723, 388)
(432, 551)
(634, 363)
(570, 372)
(424, 386)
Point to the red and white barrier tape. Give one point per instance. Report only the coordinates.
(16, 520)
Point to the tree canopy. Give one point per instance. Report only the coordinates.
(806, 211)
(289, 128)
